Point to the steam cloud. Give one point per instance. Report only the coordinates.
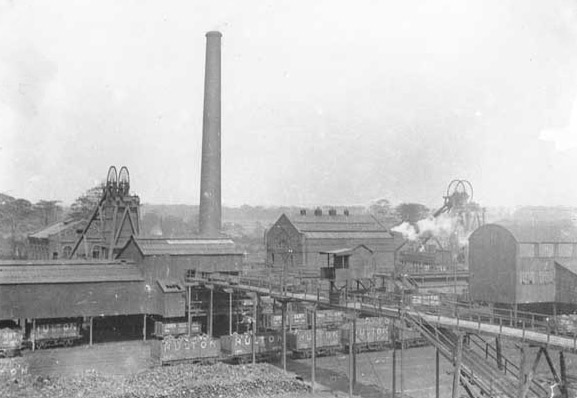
(441, 226)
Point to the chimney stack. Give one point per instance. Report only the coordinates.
(210, 200)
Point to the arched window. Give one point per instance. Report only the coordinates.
(66, 250)
(96, 251)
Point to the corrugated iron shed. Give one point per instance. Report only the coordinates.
(185, 246)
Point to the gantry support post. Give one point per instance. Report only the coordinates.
(189, 302)
(34, 334)
(314, 349)
(562, 370)
(522, 372)
(230, 292)
(254, 327)
(457, 375)
(91, 329)
(529, 376)
(283, 326)
(210, 309)
(354, 343)
(437, 374)
(499, 353)
(394, 358)
(351, 353)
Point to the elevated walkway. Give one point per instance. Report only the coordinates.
(439, 313)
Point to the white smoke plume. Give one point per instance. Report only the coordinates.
(407, 230)
(442, 226)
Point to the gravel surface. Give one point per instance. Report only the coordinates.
(218, 381)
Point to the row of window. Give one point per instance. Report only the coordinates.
(546, 250)
(537, 277)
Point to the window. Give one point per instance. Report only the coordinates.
(66, 251)
(96, 251)
(190, 274)
(565, 249)
(546, 250)
(526, 250)
(341, 262)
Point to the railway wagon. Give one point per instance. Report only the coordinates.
(238, 347)
(295, 320)
(328, 342)
(165, 329)
(371, 334)
(327, 318)
(425, 300)
(10, 341)
(55, 334)
(196, 349)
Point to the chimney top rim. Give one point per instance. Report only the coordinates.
(213, 33)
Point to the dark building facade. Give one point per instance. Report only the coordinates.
(523, 264)
(63, 289)
(170, 261)
(297, 242)
(57, 240)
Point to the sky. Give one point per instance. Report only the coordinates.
(323, 102)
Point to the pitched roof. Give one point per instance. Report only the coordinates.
(349, 235)
(569, 264)
(345, 251)
(541, 232)
(337, 223)
(68, 272)
(55, 228)
(185, 246)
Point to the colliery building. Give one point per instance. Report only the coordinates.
(59, 289)
(313, 240)
(57, 240)
(529, 265)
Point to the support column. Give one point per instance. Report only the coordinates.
(499, 353)
(354, 344)
(351, 353)
(230, 292)
(189, 302)
(283, 327)
(230, 313)
(402, 370)
(522, 372)
(210, 310)
(34, 335)
(437, 374)
(457, 374)
(314, 350)
(144, 329)
(254, 327)
(563, 372)
(394, 359)
(91, 329)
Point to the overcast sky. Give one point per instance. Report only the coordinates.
(324, 102)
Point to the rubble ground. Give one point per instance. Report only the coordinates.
(184, 380)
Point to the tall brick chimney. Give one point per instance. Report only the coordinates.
(210, 200)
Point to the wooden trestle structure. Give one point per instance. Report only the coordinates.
(453, 329)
